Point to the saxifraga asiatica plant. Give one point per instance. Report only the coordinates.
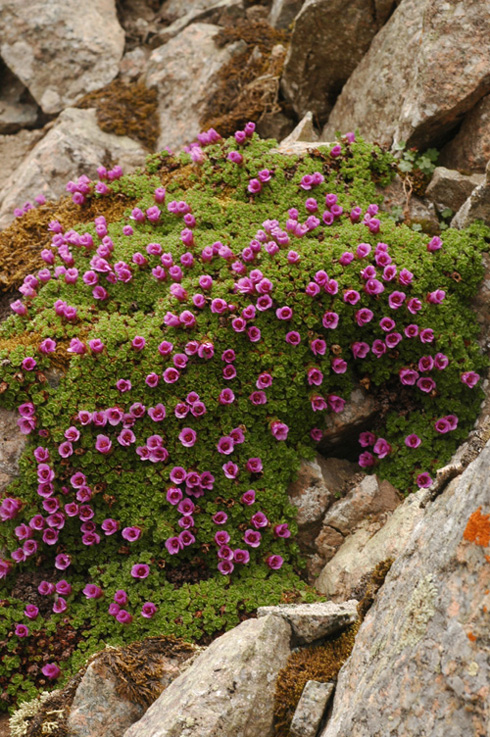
(210, 332)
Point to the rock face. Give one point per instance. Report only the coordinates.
(17, 108)
(310, 622)
(100, 709)
(358, 554)
(449, 188)
(421, 660)
(329, 40)
(310, 710)
(12, 444)
(14, 148)
(183, 71)
(61, 51)
(228, 691)
(470, 148)
(314, 491)
(418, 95)
(74, 145)
(476, 207)
(283, 12)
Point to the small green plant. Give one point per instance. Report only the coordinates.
(411, 160)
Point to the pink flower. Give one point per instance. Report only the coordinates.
(171, 375)
(382, 448)
(110, 526)
(131, 534)
(148, 610)
(103, 444)
(140, 570)
(426, 384)
(124, 385)
(225, 445)
(124, 617)
(21, 630)
(258, 398)
(408, 377)
(241, 556)
(339, 366)
(366, 439)
(387, 324)
(279, 430)
(366, 459)
(274, 562)
(335, 403)
(330, 320)
(252, 538)
(230, 470)
(226, 396)
(29, 364)
(351, 296)
(225, 567)
(426, 335)
(423, 480)
(470, 378)
(248, 497)
(442, 425)
(51, 671)
(434, 244)
(188, 437)
(62, 561)
(254, 465)
(413, 441)
(31, 611)
(284, 313)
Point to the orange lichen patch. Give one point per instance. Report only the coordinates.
(471, 637)
(22, 242)
(126, 109)
(478, 529)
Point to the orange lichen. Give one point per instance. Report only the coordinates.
(478, 529)
(471, 637)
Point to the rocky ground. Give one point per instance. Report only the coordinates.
(111, 82)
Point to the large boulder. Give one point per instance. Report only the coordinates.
(476, 207)
(328, 42)
(424, 70)
(283, 12)
(17, 108)
(12, 443)
(470, 147)
(184, 71)
(61, 51)
(421, 660)
(450, 188)
(229, 690)
(74, 145)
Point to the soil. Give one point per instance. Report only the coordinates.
(4, 725)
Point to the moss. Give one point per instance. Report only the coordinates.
(248, 86)
(126, 109)
(314, 663)
(371, 587)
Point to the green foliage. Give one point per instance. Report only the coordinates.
(411, 159)
(193, 600)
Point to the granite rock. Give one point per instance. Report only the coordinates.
(450, 188)
(469, 150)
(311, 708)
(310, 622)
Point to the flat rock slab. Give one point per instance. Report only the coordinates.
(229, 689)
(311, 708)
(421, 660)
(450, 188)
(310, 622)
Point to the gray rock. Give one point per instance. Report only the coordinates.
(328, 41)
(61, 51)
(449, 188)
(177, 8)
(17, 108)
(14, 148)
(74, 145)
(413, 209)
(359, 409)
(283, 12)
(183, 71)
(100, 709)
(318, 484)
(219, 13)
(357, 555)
(476, 207)
(229, 690)
(304, 131)
(310, 622)
(469, 150)
(311, 708)
(421, 659)
(418, 95)
(12, 444)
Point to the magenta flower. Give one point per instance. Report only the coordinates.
(148, 610)
(21, 630)
(366, 439)
(259, 520)
(470, 378)
(335, 403)
(318, 347)
(414, 305)
(442, 425)
(413, 441)
(188, 437)
(284, 313)
(330, 320)
(29, 363)
(254, 465)
(124, 617)
(225, 445)
(279, 430)
(230, 470)
(282, 530)
(131, 534)
(140, 570)
(252, 538)
(31, 611)
(62, 561)
(382, 448)
(254, 186)
(225, 567)
(351, 296)
(408, 376)
(173, 545)
(241, 556)
(434, 244)
(171, 375)
(366, 459)
(426, 384)
(423, 480)
(248, 498)
(124, 385)
(226, 396)
(220, 518)
(103, 444)
(274, 562)
(411, 331)
(51, 671)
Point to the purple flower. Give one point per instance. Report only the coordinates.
(366, 459)
(148, 610)
(330, 320)
(284, 313)
(124, 617)
(62, 561)
(173, 545)
(225, 445)
(220, 518)
(259, 520)
(188, 437)
(131, 534)
(140, 570)
(274, 562)
(51, 671)
(408, 376)
(382, 448)
(248, 497)
(254, 465)
(241, 556)
(254, 186)
(279, 430)
(434, 244)
(423, 480)
(92, 591)
(366, 439)
(21, 630)
(252, 538)
(426, 335)
(225, 567)
(470, 378)
(413, 441)
(103, 444)
(442, 425)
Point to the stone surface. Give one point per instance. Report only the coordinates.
(220, 12)
(100, 710)
(339, 428)
(311, 708)
(358, 554)
(329, 40)
(74, 145)
(12, 443)
(229, 690)
(177, 8)
(469, 150)
(182, 71)
(61, 51)
(420, 93)
(318, 484)
(304, 131)
(283, 12)
(412, 209)
(476, 207)
(13, 149)
(17, 108)
(421, 660)
(310, 622)
(449, 188)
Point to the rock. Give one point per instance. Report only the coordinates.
(17, 108)
(133, 64)
(74, 145)
(310, 622)
(469, 150)
(476, 207)
(229, 690)
(318, 484)
(61, 51)
(412, 209)
(177, 8)
(219, 13)
(421, 659)
(13, 148)
(443, 71)
(101, 707)
(358, 554)
(311, 708)
(328, 41)
(276, 125)
(449, 188)
(182, 71)
(304, 131)
(12, 444)
(283, 12)
(339, 428)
